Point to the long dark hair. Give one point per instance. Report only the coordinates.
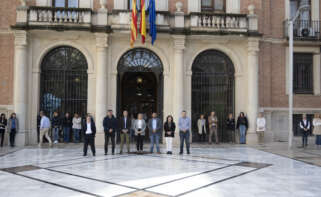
(169, 116)
(11, 116)
(2, 116)
(242, 113)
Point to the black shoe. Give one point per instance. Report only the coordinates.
(170, 152)
(121, 152)
(105, 153)
(113, 153)
(188, 152)
(84, 155)
(94, 154)
(180, 153)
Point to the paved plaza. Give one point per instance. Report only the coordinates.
(224, 170)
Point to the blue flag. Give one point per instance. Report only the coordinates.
(152, 20)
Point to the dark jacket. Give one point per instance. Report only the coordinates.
(56, 122)
(121, 124)
(93, 128)
(110, 123)
(171, 129)
(230, 124)
(242, 121)
(3, 123)
(158, 125)
(67, 122)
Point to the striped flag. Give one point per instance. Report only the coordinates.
(133, 24)
(143, 20)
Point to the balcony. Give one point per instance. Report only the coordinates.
(119, 20)
(304, 30)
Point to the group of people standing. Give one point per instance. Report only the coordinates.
(212, 123)
(125, 125)
(12, 125)
(306, 126)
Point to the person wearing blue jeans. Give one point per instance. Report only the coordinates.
(155, 129)
(242, 125)
(56, 124)
(184, 125)
(66, 124)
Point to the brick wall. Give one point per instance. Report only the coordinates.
(7, 18)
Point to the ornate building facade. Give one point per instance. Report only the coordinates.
(228, 56)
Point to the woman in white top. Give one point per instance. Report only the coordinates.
(201, 125)
(76, 127)
(317, 129)
(260, 128)
(140, 126)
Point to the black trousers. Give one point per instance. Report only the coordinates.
(12, 137)
(89, 140)
(2, 131)
(38, 134)
(139, 142)
(305, 135)
(112, 139)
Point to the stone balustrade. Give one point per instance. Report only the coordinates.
(219, 22)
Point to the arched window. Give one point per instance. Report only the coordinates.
(213, 87)
(64, 81)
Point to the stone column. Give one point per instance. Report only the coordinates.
(101, 84)
(253, 96)
(20, 84)
(178, 78)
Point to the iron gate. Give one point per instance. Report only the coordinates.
(212, 90)
(64, 82)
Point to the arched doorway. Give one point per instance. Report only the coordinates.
(140, 83)
(212, 89)
(64, 81)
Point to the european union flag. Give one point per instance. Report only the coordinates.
(152, 20)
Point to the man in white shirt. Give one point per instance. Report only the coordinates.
(89, 137)
(44, 128)
(305, 128)
(260, 128)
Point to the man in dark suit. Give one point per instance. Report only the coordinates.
(124, 128)
(89, 135)
(110, 124)
(155, 129)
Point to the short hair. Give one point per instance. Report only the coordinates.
(184, 111)
(110, 110)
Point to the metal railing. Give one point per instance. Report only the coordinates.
(304, 30)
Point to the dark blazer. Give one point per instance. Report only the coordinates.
(3, 123)
(122, 126)
(67, 122)
(171, 129)
(110, 123)
(242, 121)
(230, 124)
(93, 128)
(158, 125)
(56, 122)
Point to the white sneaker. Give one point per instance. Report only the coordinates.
(56, 142)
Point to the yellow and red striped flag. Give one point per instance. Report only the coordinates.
(133, 24)
(143, 20)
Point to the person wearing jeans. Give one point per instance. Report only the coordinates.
(76, 127)
(169, 129)
(242, 125)
(184, 125)
(66, 125)
(56, 124)
(13, 128)
(155, 129)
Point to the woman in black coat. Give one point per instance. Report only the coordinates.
(3, 125)
(169, 128)
(89, 135)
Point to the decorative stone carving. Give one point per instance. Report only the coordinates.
(251, 9)
(103, 4)
(179, 6)
(23, 3)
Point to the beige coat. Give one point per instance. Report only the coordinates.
(199, 126)
(317, 126)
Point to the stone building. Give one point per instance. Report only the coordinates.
(226, 56)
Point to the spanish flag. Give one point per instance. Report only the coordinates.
(133, 24)
(143, 20)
